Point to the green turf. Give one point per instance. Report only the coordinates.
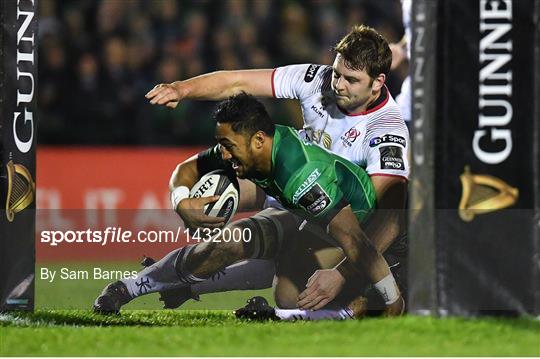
(63, 326)
(217, 333)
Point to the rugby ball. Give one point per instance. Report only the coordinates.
(218, 183)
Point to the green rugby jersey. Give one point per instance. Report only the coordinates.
(307, 178)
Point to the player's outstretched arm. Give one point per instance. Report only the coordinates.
(213, 86)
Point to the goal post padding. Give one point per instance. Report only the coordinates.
(474, 218)
(18, 107)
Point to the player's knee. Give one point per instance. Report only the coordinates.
(230, 252)
(254, 240)
(232, 248)
(220, 253)
(285, 293)
(286, 302)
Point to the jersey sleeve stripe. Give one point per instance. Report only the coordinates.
(387, 175)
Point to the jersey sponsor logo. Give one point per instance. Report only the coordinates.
(315, 200)
(350, 136)
(306, 185)
(317, 136)
(392, 158)
(375, 141)
(310, 73)
(326, 140)
(318, 111)
(492, 140)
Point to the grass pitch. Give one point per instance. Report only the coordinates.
(63, 325)
(218, 333)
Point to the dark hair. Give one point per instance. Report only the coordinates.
(245, 114)
(363, 48)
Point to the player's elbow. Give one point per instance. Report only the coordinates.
(354, 245)
(184, 174)
(174, 180)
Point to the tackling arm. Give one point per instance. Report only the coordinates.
(217, 85)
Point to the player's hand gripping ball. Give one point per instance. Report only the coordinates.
(218, 183)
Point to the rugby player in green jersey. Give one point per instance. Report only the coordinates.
(321, 187)
(347, 109)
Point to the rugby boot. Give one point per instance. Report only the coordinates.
(113, 297)
(256, 308)
(172, 298)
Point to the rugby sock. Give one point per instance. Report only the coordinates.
(160, 276)
(248, 274)
(387, 288)
(183, 275)
(321, 314)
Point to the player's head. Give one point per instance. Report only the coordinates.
(244, 131)
(362, 63)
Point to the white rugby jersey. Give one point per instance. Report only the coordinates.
(376, 139)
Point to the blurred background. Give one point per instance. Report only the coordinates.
(97, 59)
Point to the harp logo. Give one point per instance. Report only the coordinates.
(483, 194)
(21, 189)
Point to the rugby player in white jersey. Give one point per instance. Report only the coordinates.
(348, 110)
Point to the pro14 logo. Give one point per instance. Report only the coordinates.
(392, 158)
(315, 200)
(375, 141)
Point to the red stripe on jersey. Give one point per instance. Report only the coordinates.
(387, 175)
(273, 88)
